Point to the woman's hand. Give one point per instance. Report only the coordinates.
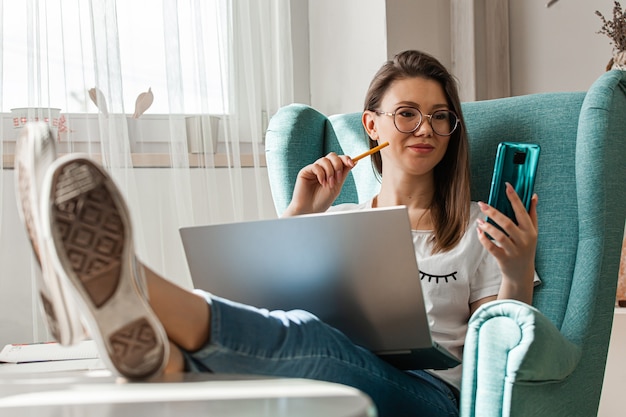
(319, 184)
(514, 249)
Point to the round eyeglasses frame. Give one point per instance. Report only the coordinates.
(422, 116)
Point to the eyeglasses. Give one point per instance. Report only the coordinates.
(409, 119)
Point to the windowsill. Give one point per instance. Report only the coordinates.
(162, 160)
(149, 141)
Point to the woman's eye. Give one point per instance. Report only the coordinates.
(407, 113)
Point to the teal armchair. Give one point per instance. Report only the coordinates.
(547, 359)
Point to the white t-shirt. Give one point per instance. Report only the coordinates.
(451, 281)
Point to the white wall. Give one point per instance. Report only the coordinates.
(300, 47)
(611, 402)
(350, 40)
(419, 24)
(347, 46)
(551, 49)
(557, 48)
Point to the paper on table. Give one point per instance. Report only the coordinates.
(52, 366)
(43, 352)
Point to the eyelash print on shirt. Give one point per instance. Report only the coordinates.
(437, 277)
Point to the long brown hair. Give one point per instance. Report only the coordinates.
(451, 201)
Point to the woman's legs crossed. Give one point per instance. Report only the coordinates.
(217, 335)
(245, 339)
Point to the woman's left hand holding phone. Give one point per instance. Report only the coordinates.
(515, 249)
(319, 184)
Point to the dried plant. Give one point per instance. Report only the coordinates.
(98, 99)
(615, 29)
(142, 103)
(144, 100)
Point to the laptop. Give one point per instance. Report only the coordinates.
(354, 270)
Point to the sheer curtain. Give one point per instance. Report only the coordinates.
(171, 96)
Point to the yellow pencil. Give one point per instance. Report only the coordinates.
(371, 151)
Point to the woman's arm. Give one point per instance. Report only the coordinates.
(474, 306)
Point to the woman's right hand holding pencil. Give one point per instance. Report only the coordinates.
(319, 184)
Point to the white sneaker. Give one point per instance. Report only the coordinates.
(35, 151)
(87, 231)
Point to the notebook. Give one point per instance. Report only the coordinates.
(355, 270)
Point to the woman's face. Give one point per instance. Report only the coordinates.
(415, 153)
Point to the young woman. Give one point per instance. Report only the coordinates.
(413, 104)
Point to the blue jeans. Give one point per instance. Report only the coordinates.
(297, 344)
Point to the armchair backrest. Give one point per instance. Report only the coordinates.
(580, 182)
(580, 185)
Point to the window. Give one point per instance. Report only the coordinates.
(218, 70)
(52, 43)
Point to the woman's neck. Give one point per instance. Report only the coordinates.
(417, 196)
(415, 193)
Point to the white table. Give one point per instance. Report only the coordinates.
(97, 393)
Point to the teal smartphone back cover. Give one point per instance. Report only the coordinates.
(516, 163)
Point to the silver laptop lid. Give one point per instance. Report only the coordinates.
(354, 270)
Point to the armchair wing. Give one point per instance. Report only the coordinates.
(298, 135)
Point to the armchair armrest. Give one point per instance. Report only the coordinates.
(510, 343)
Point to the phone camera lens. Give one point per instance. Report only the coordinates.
(519, 158)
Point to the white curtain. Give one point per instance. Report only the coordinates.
(206, 75)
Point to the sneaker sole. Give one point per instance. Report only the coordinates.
(91, 236)
(35, 152)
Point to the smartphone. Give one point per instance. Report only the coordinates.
(516, 163)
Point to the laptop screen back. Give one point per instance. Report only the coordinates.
(354, 270)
